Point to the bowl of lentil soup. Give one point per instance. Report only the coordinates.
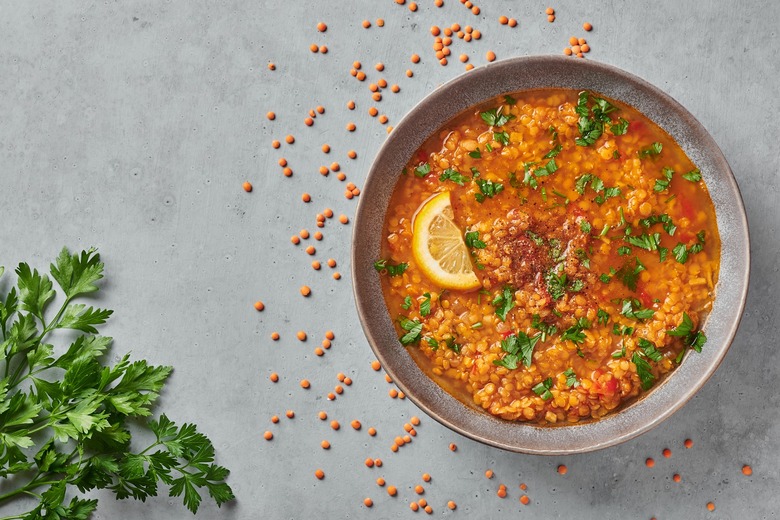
(550, 256)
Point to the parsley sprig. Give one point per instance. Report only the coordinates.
(496, 117)
(391, 270)
(519, 347)
(64, 418)
(591, 122)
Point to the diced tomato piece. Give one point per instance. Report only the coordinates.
(644, 297)
(422, 156)
(610, 387)
(506, 334)
(633, 126)
(687, 209)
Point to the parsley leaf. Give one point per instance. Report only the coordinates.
(664, 219)
(422, 170)
(450, 342)
(413, 330)
(619, 128)
(649, 349)
(476, 154)
(501, 137)
(629, 274)
(425, 305)
(602, 317)
(509, 100)
(453, 175)
(543, 389)
(407, 304)
(585, 226)
(571, 378)
(519, 347)
(684, 328)
(644, 371)
(693, 176)
(504, 302)
(495, 117)
(663, 184)
(633, 309)
(649, 242)
(544, 328)
(391, 270)
(653, 149)
(472, 240)
(556, 284)
(487, 188)
(574, 333)
(554, 152)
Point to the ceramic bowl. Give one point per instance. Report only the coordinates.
(513, 75)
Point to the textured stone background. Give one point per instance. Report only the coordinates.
(131, 126)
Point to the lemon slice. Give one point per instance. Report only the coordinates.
(438, 247)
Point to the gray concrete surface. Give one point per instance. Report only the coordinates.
(131, 126)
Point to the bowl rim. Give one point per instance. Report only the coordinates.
(649, 410)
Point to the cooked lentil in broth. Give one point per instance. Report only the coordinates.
(595, 243)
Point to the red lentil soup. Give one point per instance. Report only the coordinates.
(594, 244)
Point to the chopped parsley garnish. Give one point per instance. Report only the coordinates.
(693, 176)
(629, 274)
(519, 348)
(453, 175)
(591, 126)
(488, 147)
(450, 342)
(649, 349)
(643, 370)
(487, 188)
(495, 117)
(509, 100)
(621, 330)
(504, 301)
(649, 242)
(602, 317)
(477, 325)
(582, 256)
(620, 353)
(476, 154)
(425, 305)
(543, 389)
(662, 184)
(664, 219)
(544, 328)
(554, 152)
(422, 170)
(473, 241)
(407, 304)
(602, 193)
(692, 338)
(534, 237)
(585, 226)
(681, 251)
(571, 378)
(609, 193)
(432, 343)
(619, 128)
(556, 284)
(623, 251)
(633, 309)
(604, 277)
(530, 175)
(413, 330)
(390, 269)
(501, 137)
(653, 149)
(574, 333)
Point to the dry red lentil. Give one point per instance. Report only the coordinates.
(247, 186)
(274, 377)
(319, 474)
(259, 305)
